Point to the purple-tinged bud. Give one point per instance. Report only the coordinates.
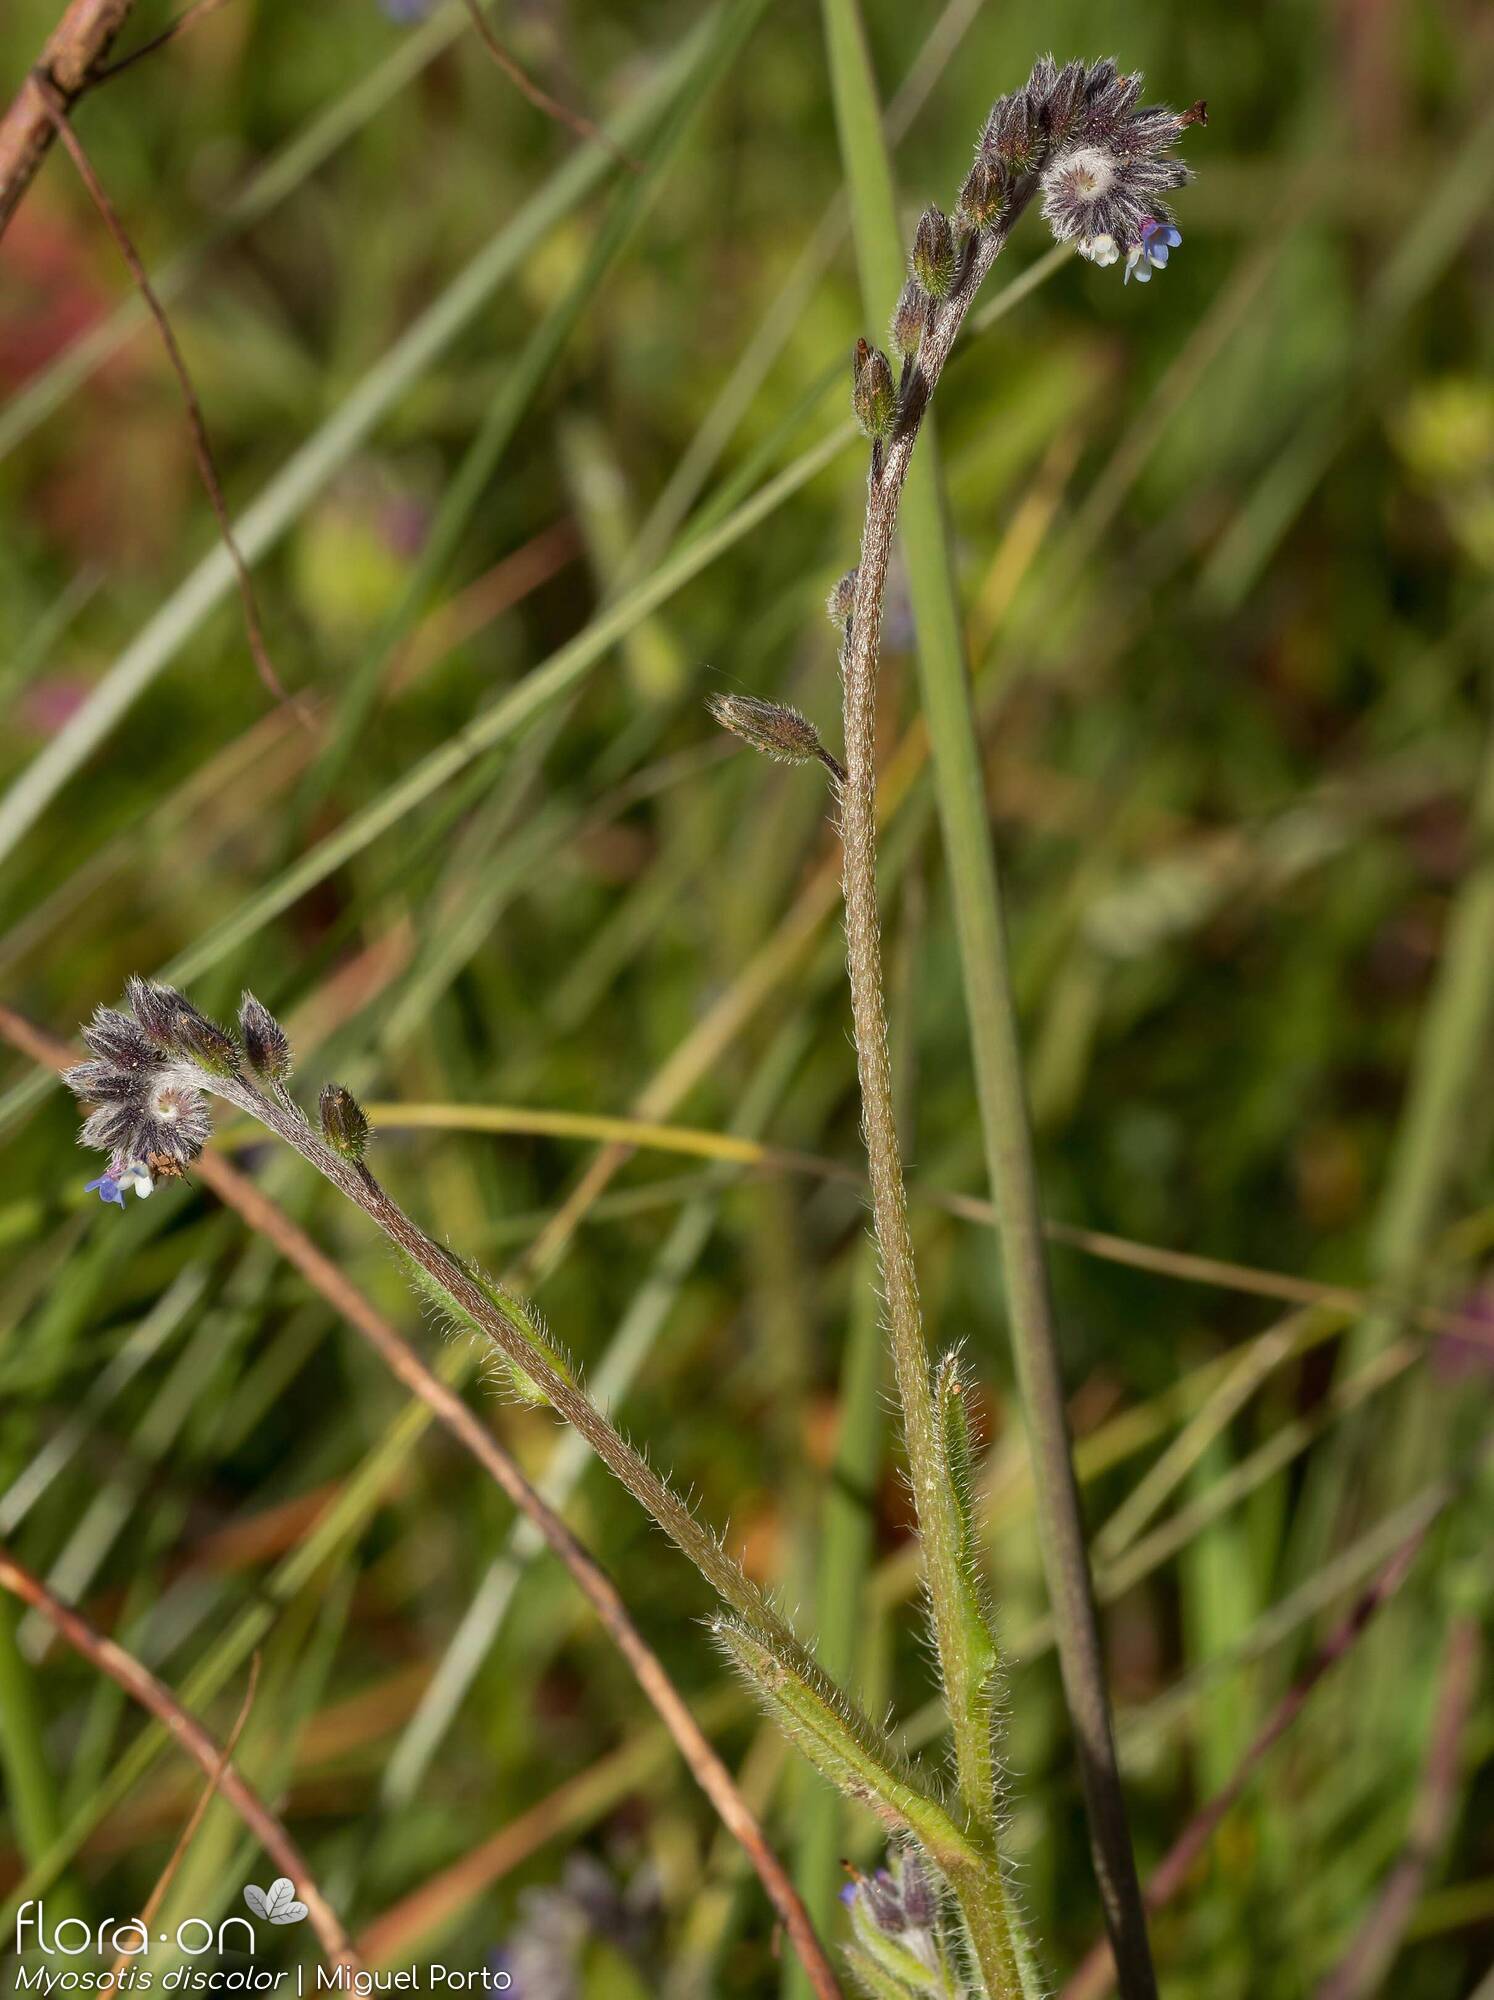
(934, 256)
(909, 319)
(344, 1125)
(265, 1041)
(1058, 107)
(842, 601)
(873, 396)
(157, 1009)
(983, 197)
(771, 727)
(920, 1904)
(884, 1903)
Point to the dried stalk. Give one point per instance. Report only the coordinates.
(54, 106)
(66, 66)
(142, 1686)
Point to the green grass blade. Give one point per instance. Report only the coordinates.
(611, 1381)
(280, 176)
(710, 50)
(502, 720)
(309, 469)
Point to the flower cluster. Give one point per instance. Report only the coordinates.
(149, 1075)
(1102, 159)
(146, 1078)
(895, 1916)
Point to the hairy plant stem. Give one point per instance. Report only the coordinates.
(982, 1893)
(887, 1783)
(654, 1493)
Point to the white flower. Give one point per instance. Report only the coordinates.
(1102, 249)
(137, 1177)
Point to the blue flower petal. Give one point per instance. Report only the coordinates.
(1172, 236)
(1158, 253)
(108, 1189)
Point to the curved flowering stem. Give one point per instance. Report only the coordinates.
(983, 1902)
(1102, 165)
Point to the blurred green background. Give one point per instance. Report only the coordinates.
(1225, 549)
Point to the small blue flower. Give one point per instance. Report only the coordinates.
(406, 10)
(111, 1185)
(1158, 241)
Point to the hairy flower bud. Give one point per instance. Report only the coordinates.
(155, 1008)
(983, 197)
(909, 319)
(773, 728)
(203, 1042)
(872, 394)
(934, 256)
(884, 1903)
(920, 1903)
(175, 1027)
(265, 1041)
(842, 601)
(1055, 98)
(1010, 137)
(344, 1125)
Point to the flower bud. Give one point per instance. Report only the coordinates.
(157, 1009)
(842, 601)
(909, 320)
(1057, 101)
(934, 255)
(983, 197)
(344, 1126)
(771, 727)
(1009, 136)
(884, 1903)
(920, 1903)
(872, 395)
(203, 1042)
(265, 1041)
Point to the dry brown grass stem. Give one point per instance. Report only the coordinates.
(142, 1686)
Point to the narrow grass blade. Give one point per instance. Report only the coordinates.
(611, 1381)
(309, 470)
(280, 176)
(711, 49)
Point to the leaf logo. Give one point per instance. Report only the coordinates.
(277, 1904)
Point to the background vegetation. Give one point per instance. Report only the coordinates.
(1225, 549)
